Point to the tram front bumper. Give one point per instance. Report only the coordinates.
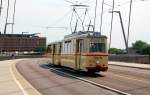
(96, 69)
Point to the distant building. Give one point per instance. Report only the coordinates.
(20, 42)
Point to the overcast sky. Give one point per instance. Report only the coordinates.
(34, 15)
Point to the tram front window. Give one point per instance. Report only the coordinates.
(97, 47)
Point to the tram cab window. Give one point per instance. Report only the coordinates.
(97, 47)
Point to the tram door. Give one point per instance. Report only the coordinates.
(56, 53)
(53, 52)
(79, 44)
(59, 54)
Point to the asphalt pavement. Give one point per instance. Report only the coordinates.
(33, 77)
(49, 82)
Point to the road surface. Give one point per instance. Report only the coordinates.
(53, 83)
(130, 80)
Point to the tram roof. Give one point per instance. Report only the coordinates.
(87, 34)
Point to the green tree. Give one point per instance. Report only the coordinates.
(116, 51)
(141, 47)
(146, 50)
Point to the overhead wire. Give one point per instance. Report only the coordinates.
(127, 2)
(61, 18)
(84, 16)
(89, 21)
(69, 1)
(77, 15)
(71, 22)
(85, 1)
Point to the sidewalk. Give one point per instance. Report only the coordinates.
(11, 82)
(7, 84)
(133, 65)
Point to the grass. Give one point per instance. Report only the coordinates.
(4, 58)
(147, 62)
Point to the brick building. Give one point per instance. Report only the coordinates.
(20, 42)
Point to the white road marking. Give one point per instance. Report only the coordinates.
(131, 78)
(17, 82)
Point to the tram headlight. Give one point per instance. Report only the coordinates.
(97, 62)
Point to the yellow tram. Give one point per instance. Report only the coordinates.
(84, 51)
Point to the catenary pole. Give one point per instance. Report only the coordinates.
(14, 16)
(95, 15)
(102, 16)
(6, 17)
(112, 17)
(129, 24)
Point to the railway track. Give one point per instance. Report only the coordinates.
(88, 81)
(118, 80)
(52, 82)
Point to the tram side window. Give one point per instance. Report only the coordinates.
(68, 47)
(97, 47)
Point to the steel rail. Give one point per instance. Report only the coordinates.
(91, 82)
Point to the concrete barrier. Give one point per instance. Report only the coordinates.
(130, 58)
